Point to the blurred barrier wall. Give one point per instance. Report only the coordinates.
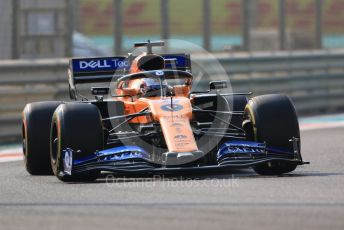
(6, 27)
(315, 81)
(35, 28)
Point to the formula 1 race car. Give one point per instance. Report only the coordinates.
(149, 121)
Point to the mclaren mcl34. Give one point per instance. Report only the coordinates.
(147, 120)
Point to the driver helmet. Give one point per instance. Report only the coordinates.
(150, 87)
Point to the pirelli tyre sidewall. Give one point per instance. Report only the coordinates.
(272, 119)
(77, 126)
(36, 123)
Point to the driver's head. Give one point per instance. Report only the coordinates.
(150, 87)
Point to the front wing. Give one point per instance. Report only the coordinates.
(133, 160)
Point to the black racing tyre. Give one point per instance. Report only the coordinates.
(77, 126)
(272, 119)
(36, 123)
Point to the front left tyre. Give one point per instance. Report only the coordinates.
(272, 119)
(36, 123)
(77, 126)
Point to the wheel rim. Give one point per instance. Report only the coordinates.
(24, 147)
(54, 145)
(24, 140)
(54, 150)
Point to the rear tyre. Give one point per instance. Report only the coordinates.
(77, 126)
(272, 119)
(36, 123)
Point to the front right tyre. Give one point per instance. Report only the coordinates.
(36, 123)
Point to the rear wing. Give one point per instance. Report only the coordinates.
(100, 69)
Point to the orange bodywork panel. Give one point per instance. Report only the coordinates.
(174, 119)
(134, 68)
(182, 90)
(135, 107)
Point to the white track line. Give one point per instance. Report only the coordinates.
(9, 159)
(11, 154)
(325, 125)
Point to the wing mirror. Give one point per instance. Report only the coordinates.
(218, 85)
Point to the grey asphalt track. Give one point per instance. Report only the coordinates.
(310, 198)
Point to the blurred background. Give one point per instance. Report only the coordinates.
(295, 47)
(61, 28)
